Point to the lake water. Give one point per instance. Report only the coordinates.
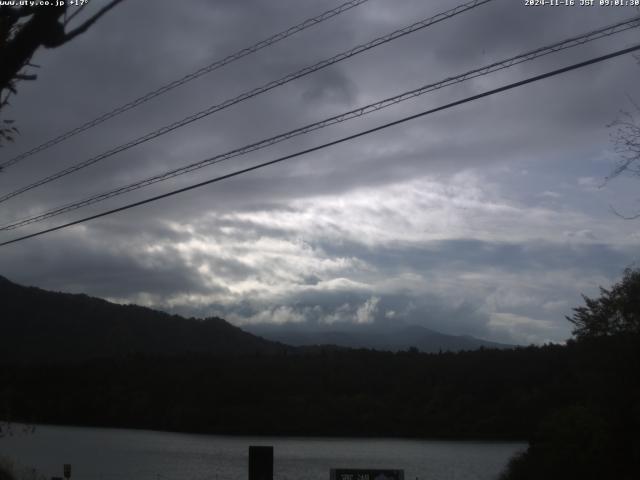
(113, 454)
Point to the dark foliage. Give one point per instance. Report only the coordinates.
(5, 473)
(615, 312)
(483, 394)
(23, 30)
(596, 435)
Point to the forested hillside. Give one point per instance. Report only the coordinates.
(42, 326)
(576, 403)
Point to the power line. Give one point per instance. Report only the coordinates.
(568, 43)
(310, 22)
(252, 93)
(358, 112)
(334, 142)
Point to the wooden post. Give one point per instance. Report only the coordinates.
(260, 463)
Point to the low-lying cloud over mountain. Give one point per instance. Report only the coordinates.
(389, 337)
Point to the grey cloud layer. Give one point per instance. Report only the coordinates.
(472, 221)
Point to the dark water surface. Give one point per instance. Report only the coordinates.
(113, 454)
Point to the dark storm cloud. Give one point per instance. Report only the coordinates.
(536, 257)
(331, 87)
(81, 265)
(151, 71)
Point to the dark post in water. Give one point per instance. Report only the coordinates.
(260, 463)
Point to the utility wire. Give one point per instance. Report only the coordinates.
(334, 142)
(310, 22)
(358, 112)
(252, 93)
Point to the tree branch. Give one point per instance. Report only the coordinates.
(73, 15)
(24, 76)
(16, 13)
(90, 21)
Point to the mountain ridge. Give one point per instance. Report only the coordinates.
(41, 325)
(387, 338)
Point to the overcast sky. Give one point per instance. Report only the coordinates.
(488, 219)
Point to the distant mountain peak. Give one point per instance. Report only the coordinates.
(388, 337)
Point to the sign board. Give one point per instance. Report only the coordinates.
(67, 470)
(365, 474)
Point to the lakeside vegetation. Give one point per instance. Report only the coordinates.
(9, 470)
(595, 436)
(578, 404)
